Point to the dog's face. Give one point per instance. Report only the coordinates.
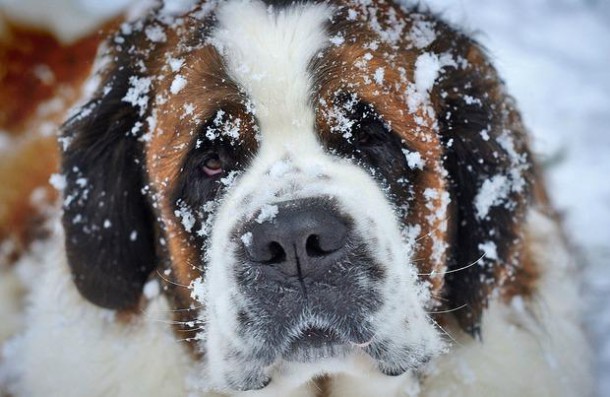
(304, 178)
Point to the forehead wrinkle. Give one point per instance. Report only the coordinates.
(268, 52)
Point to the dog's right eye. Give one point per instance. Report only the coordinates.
(212, 166)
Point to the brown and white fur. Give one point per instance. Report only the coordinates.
(380, 115)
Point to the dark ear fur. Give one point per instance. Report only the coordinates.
(478, 124)
(110, 239)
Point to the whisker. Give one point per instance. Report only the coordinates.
(198, 268)
(185, 309)
(445, 332)
(171, 322)
(171, 282)
(185, 340)
(433, 273)
(191, 329)
(455, 309)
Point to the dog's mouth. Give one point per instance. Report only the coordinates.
(313, 343)
(316, 337)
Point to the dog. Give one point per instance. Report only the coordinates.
(279, 198)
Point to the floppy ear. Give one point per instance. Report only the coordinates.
(487, 159)
(110, 239)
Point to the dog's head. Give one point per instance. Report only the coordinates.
(309, 180)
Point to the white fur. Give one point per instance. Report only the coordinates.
(271, 66)
(73, 348)
(535, 348)
(10, 302)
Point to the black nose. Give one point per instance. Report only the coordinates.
(303, 240)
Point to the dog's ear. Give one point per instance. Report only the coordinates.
(109, 224)
(487, 160)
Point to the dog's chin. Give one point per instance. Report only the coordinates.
(313, 345)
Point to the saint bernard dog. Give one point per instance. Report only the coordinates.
(298, 199)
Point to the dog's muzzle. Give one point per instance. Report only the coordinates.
(309, 278)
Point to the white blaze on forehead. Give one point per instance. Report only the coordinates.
(268, 52)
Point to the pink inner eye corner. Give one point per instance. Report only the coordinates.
(212, 171)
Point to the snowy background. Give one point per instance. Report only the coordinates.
(555, 58)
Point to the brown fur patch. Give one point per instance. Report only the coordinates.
(39, 80)
(34, 68)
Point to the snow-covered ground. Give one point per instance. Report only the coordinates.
(555, 58)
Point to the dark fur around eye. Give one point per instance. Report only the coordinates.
(372, 144)
(195, 187)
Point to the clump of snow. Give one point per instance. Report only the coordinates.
(246, 238)
(378, 76)
(186, 216)
(152, 289)
(197, 290)
(414, 159)
(410, 234)
(422, 33)
(390, 29)
(485, 134)
(137, 94)
(338, 115)
(494, 191)
(489, 249)
(337, 40)
(267, 213)
(428, 67)
(177, 7)
(229, 180)
(189, 109)
(437, 203)
(155, 33)
(207, 211)
(58, 181)
(175, 64)
(225, 125)
(519, 162)
(178, 84)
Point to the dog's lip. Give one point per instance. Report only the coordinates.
(325, 340)
(317, 336)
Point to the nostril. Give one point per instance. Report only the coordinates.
(278, 255)
(312, 246)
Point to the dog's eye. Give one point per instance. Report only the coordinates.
(370, 132)
(212, 166)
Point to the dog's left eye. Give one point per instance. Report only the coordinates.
(370, 131)
(212, 166)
